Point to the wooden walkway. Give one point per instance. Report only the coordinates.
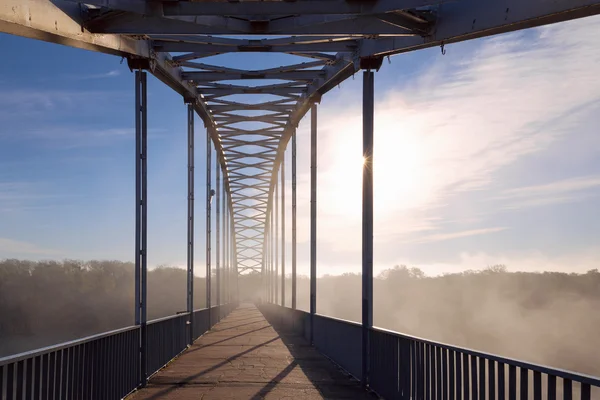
(244, 357)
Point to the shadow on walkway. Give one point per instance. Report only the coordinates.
(251, 361)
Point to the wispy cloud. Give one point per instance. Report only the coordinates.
(16, 247)
(479, 109)
(33, 102)
(557, 192)
(438, 237)
(110, 74)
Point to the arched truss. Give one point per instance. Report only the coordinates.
(252, 112)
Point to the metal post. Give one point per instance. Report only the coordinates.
(223, 273)
(225, 242)
(313, 220)
(283, 232)
(276, 242)
(367, 218)
(272, 250)
(208, 221)
(138, 194)
(265, 262)
(190, 223)
(218, 224)
(141, 234)
(294, 220)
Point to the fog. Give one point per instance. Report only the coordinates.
(549, 318)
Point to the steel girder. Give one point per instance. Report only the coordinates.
(251, 113)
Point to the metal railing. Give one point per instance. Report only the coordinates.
(167, 337)
(103, 366)
(407, 367)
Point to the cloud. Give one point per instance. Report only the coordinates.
(438, 237)
(14, 247)
(557, 192)
(50, 103)
(444, 138)
(110, 74)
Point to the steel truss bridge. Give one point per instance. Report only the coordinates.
(199, 48)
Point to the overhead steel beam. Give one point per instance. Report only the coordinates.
(61, 22)
(200, 76)
(184, 47)
(278, 8)
(136, 24)
(471, 19)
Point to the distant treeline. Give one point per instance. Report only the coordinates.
(46, 302)
(550, 318)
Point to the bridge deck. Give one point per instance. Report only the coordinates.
(244, 357)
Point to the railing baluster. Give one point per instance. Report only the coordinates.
(459, 376)
(491, 380)
(482, 380)
(501, 381)
(512, 382)
(20, 379)
(421, 370)
(524, 383)
(37, 373)
(474, 380)
(438, 372)
(586, 391)
(551, 387)
(29, 383)
(567, 389)
(452, 375)
(537, 385)
(413, 369)
(445, 374)
(428, 372)
(465, 359)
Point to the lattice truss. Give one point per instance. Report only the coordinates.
(254, 107)
(302, 49)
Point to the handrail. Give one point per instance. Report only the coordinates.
(560, 373)
(38, 352)
(55, 347)
(334, 318)
(557, 372)
(154, 321)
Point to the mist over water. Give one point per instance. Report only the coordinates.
(549, 318)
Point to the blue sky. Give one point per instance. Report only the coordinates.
(485, 155)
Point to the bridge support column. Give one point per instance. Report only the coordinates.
(209, 194)
(271, 258)
(141, 217)
(226, 244)
(218, 236)
(313, 219)
(276, 241)
(190, 223)
(283, 232)
(294, 220)
(367, 220)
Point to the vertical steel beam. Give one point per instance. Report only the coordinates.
(367, 220)
(208, 221)
(138, 193)
(218, 226)
(264, 266)
(283, 232)
(294, 220)
(190, 223)
(313, 220)
(272, 252)
(276, 242)
(225, 242)
(141, 234)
